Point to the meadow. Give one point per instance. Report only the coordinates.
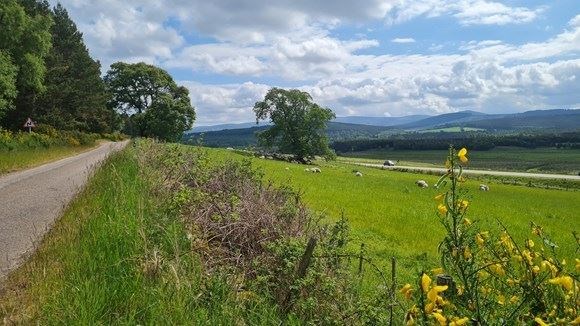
(544, 160)
(395, 218)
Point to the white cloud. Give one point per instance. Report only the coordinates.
(403, 40)
(299, 42)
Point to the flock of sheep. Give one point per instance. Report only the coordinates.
(419, 183)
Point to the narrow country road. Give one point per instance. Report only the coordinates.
(31, 200)
(475, 172)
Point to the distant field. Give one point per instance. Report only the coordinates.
(551, 160)
(452, 129)
(393, 217)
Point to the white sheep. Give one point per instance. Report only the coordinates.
(358, 174)
(316, 170)
(483, 187)
(422, 184)
(230, 149)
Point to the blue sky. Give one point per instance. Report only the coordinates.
(367, 57)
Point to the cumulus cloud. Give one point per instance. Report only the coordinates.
(299, 43)
(403, 40)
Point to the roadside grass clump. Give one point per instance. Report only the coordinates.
(22, 149)
(491, 279)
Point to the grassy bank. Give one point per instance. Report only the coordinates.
(95, 265)
(128, 251)
(24, 150)
(395, 218)
(544, 160)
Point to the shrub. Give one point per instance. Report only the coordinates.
(488, 279)
(256, 236)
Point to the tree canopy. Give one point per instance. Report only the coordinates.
(299, 123)
(150, 100)
(75, 97)
(24, 43)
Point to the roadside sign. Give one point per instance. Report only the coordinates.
(29, 124)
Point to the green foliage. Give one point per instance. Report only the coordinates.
(25, 39)
(492, 280)
(299, 123)
(75, 98)
(8, 92)
(146, 95)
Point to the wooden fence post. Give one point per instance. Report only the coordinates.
(393, 288)
(361, 257)
(300, 273)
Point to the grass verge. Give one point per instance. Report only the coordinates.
(118, 257)
(11, 161)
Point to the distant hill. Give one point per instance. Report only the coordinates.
(556, 120)
(247, 136)
(241, 135)
(444, 120)
(360, 120)
(219, 127)
(381, 121)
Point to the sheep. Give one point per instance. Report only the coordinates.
(422, 184)
(316, 170)
(286, 168)
(262, 157)
(483, 187)
(358, 174)
(230, 149)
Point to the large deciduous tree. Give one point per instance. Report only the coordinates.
(299, 123)
(24, 43)
(75, 98)
(151, 101)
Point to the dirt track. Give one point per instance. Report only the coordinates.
(475, 172)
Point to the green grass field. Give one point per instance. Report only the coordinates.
(549, 160)
(11, 161)
(394, 217)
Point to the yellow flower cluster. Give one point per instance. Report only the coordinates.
(493, 277)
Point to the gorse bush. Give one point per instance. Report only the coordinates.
(489, 279)
(43, 137)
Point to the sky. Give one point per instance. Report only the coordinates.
(357, 57)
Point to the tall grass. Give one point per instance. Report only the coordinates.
(117, 257)
(22, 149)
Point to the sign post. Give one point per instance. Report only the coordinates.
(29, 124)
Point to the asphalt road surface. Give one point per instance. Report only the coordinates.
(475, 172)
(31, 200)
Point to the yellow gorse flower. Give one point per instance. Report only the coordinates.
(479, 239)
(425, 282)
(442, 209)
(540, 321)
(461, 154)
(565, 281)
(407, 291)
(440, 318)
(433, 294)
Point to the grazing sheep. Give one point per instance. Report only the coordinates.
(483, 187)
(286, 168)
(358, 174)
(422, 184)
(316, 170)
(230, 149)
(262, 157)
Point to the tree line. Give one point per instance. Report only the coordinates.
(47, 74)
(473, 140)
